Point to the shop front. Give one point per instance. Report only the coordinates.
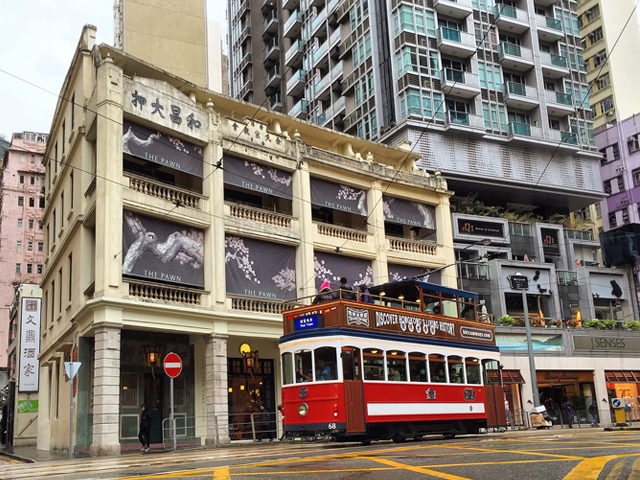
(625, 385)
(557, 387)
(512, 382)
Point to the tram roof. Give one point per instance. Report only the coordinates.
(409, 289)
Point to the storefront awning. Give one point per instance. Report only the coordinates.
(509, 377)
(623, 376)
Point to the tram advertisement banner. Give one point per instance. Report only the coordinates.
(163, 149)
(260, 269)
(160, 250)
(399, 272)
(330, 267)
(257, 177)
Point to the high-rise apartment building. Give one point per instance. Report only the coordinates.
(493, 95)
(21, 230)
(614, 78)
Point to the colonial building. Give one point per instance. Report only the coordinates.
(178, 220)
(21, 230)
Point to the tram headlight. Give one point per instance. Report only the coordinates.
(303, 409)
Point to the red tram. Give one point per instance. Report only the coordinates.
(390, 369)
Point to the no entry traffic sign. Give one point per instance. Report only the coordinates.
(172, 365)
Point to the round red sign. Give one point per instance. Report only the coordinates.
(172, 365)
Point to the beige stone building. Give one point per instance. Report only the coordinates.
(189, 218)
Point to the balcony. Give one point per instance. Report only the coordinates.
(334, 42)
(456, 43)
(516, 129)
(515, 57)
(275, 102)
(336, 72)
(558, 103)
(343, 233)
(295, 85)
(567, 138)
(412, 246)
(460, 84)
(553, 66)
(549, 29)
(335, 109)
(460, 9)
(293, 25)
(258, 215)
(455, 120)
(320, 58)
(321, 88)
(290, 4)
(163, 191)
(317, 22)
(567, 278)
(273, 77)
(293, 57)
(511, 19)
(299, 110)
(583, 235)
(272, 50)
(523, 97)
(270, 24)
(246, 32)
(149, 291)
(474, 271)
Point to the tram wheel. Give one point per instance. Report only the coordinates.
(399, 437)
(309, 438)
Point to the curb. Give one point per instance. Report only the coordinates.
(13, 456)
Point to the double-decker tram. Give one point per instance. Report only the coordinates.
(413, 358)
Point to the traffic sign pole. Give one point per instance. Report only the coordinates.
(172, 367)
(71, 369)
(173, 421)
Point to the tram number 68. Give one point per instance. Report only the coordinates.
(331, 426)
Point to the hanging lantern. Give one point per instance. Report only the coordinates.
(152, 356)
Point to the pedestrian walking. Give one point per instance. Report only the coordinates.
(593, 410)
(145, 428)
(569, 414)
(264, 424)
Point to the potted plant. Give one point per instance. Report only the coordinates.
(506, 321)
(632, 325)
(572, 324)
(610, 324)
(520, 322)
(553, 323)
(595, 324)
(536, 322)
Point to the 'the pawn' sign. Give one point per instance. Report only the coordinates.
(172, 365)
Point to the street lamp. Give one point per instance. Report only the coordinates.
(484, 242)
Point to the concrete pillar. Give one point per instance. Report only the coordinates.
(106, 396)
(217, 403)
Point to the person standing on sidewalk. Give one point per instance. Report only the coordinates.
(593, 410)
(265, 424)
(569, 414)
(145, 429)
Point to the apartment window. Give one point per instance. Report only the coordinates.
(40, 226)
(62, 209)
(606, 105)
(70, 275)
(41, 202)
(60, 290)
(30, 246)
(30, 223)
(64, 138)
(21, 179)
(612, 220)
(41, 246)
(633, 143)
(72, 186)
(32, 202)
(73, 111)
(45, 305)
(48, 239)
(607, 186)
(615, 151)
(42, 181)
(495, 116)
(603, 82)
(33, 159)
(21, 201)
(29, 268)
(54, 225)
(489, 75)
(599, 58)
(39, 270)
(625, 216)
(19, 246)
(620, 184)
(18, 267)
(53, 299)
(595, 36)
(19, 223)
(32, 180)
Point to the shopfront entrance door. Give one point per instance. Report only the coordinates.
(153, 398)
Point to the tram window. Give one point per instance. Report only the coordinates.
(287, 368)
(450, 307)
(396, 366)
(491, 372)
(432, 304)
(456, 375)
(437, 368)
(417, 367)
(373, 363)
(326, 365)
(303, 367)
(350, 363)
(473, 370)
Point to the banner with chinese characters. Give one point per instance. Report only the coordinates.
(159, 250)
(162, 149)
(29, 345)
(257, 177)
(255, 268)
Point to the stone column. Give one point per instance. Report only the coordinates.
(217, 395)
(106, 396)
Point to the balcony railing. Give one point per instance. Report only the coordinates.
(474, 271)
(276, 101)
(320, 52)
(316, 22)
(564, 137)
(164, 293)
(293, 49)
(342, 233)
(578, 234)
(548, 22)
(511, 12)
(297, 77)
(514, 50)
(412, 246)
(256, 305)
(258, 215)
(512, 88)
(524, 129)
(163, 191)
(298, 108)
(295, 17)
(564, 98)
(566, 277)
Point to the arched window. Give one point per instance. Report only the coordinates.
(326, 365)
(437, 368)
(373, 361)
(456, 372)
(473, 371)
(303, 366)
(418, 367)
(396, 366)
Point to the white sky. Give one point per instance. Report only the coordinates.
(39, 38)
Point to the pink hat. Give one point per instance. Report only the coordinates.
(325, 284)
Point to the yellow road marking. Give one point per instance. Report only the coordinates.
(635, 471)
(411, 468)
(520, 452)
(590, 468)
(221, 473)
(615, 471)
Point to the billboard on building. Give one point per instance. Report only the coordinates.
(399, 272)
(28, 378)
(260, 269)
(159, 250)
(331, 267)
(409, 213)
(338, 197)
(257, 177)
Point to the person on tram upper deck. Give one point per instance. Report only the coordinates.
(363, 295)
(346, 291)
(325, 294)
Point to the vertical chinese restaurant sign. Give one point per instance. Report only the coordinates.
(29, 345)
